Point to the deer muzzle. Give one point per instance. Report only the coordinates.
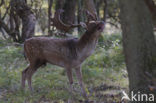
(101, 25)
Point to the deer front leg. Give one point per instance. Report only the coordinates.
(70, 78)
(24, 78)
(29, 77)
(79, 77)
(32, 69)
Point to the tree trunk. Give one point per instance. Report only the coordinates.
(105, 11)
(49, 16)
(89, 5)
(98, 5)
(28, 18)
(69, 11)
(139, 44)
(152, 7)
(59, 4)
(81, 16)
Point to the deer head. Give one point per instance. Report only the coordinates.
(93, 23)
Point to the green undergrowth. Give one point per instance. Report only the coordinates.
(103, 69)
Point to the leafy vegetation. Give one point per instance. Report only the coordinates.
(104, 75)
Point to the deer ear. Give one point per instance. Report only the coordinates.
(83, 25)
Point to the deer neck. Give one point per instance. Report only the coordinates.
(87, 44)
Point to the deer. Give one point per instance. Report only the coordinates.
(68, 53)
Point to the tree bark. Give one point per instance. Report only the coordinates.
(139, 44)
(59, 4)
(28, 18)
(80, 16)
(105, 11)
(89, 5)
(7, 29)
(49, 16)
(1, 3)
(69, 11)
(152, 8)
(98, 5)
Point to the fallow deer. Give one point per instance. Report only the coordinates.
(67, 53)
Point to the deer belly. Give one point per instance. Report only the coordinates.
(55, 60)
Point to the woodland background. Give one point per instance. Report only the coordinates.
(124, 59)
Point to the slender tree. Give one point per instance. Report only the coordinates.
(69, 11)
(80, 16)
(59, 4)
(49, 15)
(105, 10)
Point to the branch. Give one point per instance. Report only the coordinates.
(7, 9)
(4, 26)
(113, 24)
(9, 32)
(115, 18)
(3, 34)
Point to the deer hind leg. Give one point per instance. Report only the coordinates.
(32, 69)
(79, 77)
(70, 78)
(30, 72)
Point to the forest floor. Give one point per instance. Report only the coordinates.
(104, 76)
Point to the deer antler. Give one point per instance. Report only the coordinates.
(90, 17)
(57, 22)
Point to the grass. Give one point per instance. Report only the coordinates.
(104, 75)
